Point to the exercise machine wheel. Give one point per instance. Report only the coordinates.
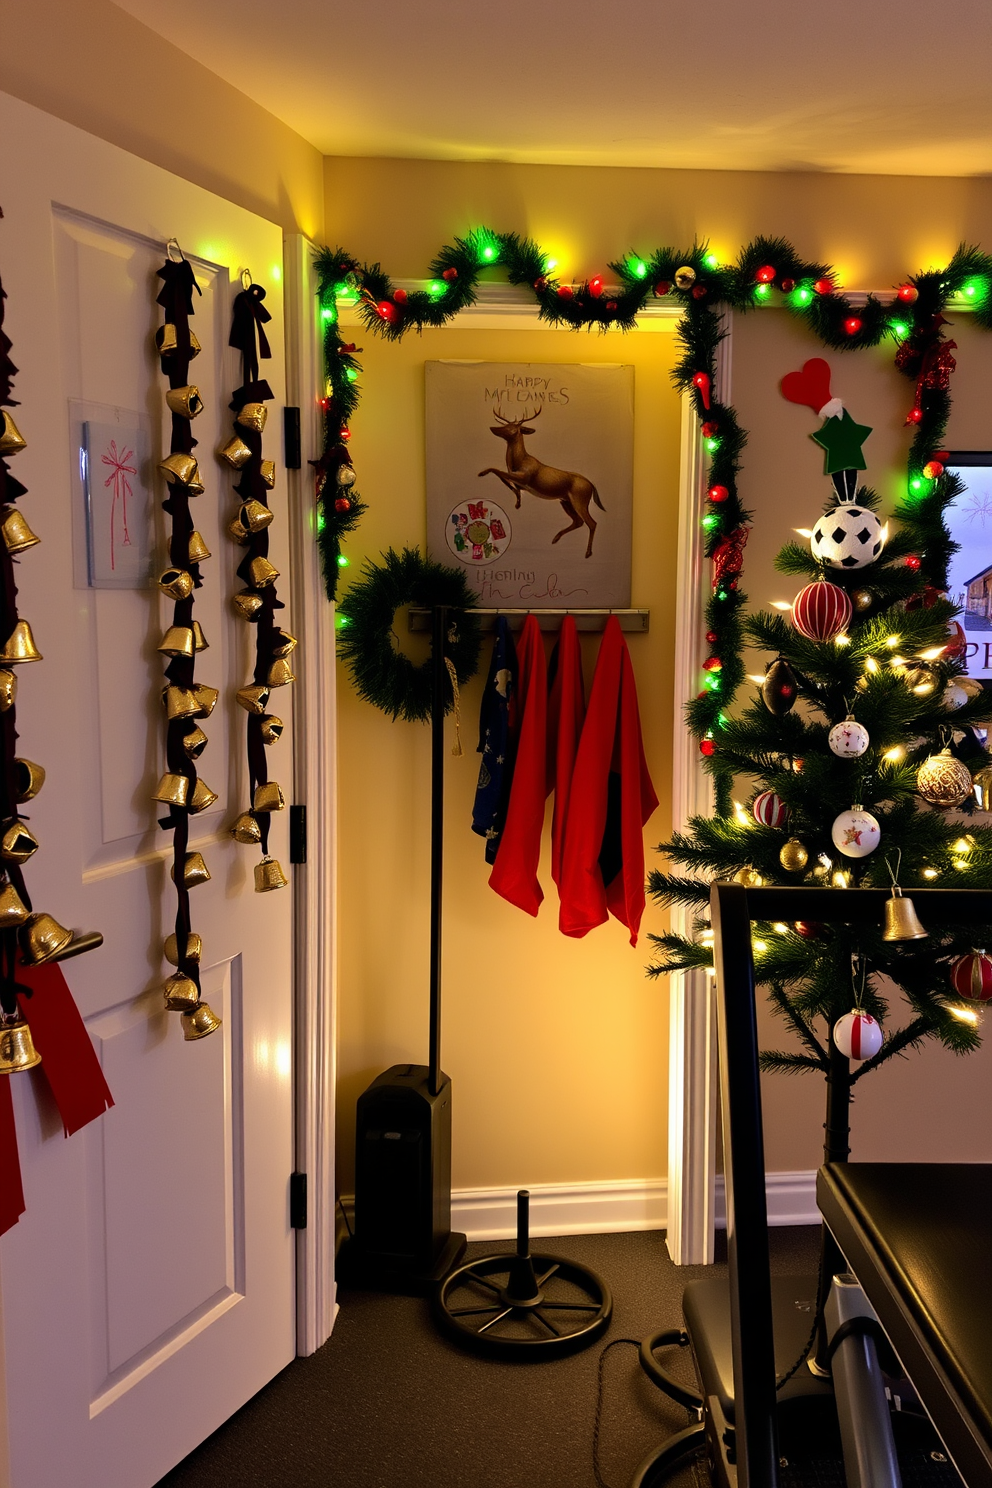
(523, 1305)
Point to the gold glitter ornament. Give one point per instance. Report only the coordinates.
(794, 856)
(685, 277)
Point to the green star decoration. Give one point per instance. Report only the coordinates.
(842, 439)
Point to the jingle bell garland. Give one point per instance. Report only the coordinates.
(258, 601)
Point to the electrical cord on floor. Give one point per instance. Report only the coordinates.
(784, 1379)
(598, 1417)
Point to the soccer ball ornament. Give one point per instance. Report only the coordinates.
(971, 976)
(943, 780)
(855, 833)
(848, 536)
(857, 1035)
(821, 611)
(770, 810)
(849, 739)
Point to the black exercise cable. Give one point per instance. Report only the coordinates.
(598, 1417)
(784, 1379)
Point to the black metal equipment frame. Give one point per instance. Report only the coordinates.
(733, 908)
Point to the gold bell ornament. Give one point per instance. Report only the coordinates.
(8, 690)
(194, 948)
(269, 876)
(247, 603)
(200, 642)
(201, 1021)
(178, 641)
(195, 871)
(206, 699)
(237, 531)
(261, 572)
(254, 516)
(18, 843)
(982, 785)
(181, 993)
(173, 790)
(28, 779)
(17, 1050)
(13, 910)
(17, 535)
(268, 797)
(271, 728)
(252, 416)
(246, 829)
(283, 643)
(182, 470)
(195, 742)
(202, 798)
(943, 780)
(167, 341)
(235, 452)
(11, 438)
(280, 673)
(176, 583)
(42, 938)
(198, 550)
(267, 470)
(901, 920)
(253, 699)
(180, 702)
(185, 401)
(19, 646)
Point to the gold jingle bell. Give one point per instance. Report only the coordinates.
(178, 641)
(982, 785)
(182, 470)
(201, 1021)
(235, 452)
(18, 843)
(267, 470)
(253, 699)
(181, 993)
(28, 779)
(206, 699)
(237, 531)
(17, 1050)
(42, 938)
(167, 341)
(280, 673)
(198, 550)
(901, 919)
(194, 948)
(269, 876)
(17, 535)
(271, 728)
(252, 416)
(262, 572)
(185, 401)
(268, 797)
(19, 646)
(8, 690)
(255, 516)
(13, 910)
(202, 797)
(195, 742)
(180, 702)
(11, 438)
(246, 829)
(195, 871)
(248, 603)
(172, 789)
(200, 642)
(176, 583)
(283, 643)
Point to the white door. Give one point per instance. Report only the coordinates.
(149, 1289)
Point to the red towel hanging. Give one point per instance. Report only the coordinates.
(514, 874)
(611, 798)
(566, 713)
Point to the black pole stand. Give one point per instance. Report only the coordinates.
(439, 628)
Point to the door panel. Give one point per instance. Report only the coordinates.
(149, 1289)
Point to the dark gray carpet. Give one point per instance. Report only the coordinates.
(388, 1403)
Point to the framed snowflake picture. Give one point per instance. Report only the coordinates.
(114, 465)
(969, 577)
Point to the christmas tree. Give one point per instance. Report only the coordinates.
(860, 761)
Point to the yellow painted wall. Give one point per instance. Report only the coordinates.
(95, 66)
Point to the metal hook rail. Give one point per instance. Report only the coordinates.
(592, 620)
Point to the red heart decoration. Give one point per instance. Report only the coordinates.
(811, 386)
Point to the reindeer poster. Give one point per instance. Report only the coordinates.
(530, 481)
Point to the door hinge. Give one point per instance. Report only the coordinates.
(297, 834)
(298, 1201)
(291, 438)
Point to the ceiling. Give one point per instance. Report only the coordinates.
(858, 85)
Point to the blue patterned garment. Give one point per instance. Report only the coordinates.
(492, 793)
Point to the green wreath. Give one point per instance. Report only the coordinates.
(381, 673)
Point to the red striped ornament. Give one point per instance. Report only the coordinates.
(821, 610)
(971, 976)
(770, 810)
(857, 1035)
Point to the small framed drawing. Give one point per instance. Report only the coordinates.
(114, 465)
(969, 575)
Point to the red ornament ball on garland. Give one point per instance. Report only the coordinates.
(712, 664)
(718, 493)
(663, 287)
(709, 429)
(596, 286)
(909, 294)
(913, 562)
(769, 810)
(933, 470)
(698, 291)
(914, 415)
(824, 286)
(611, 306)
(342, 505)
(788, 285)
(711, 638)
(541, 284)
(345, 435)
(387, 311)
(707, 747)
(566, 292)
(821, 611)
(399, 295)
(971, 976)
(852, 325)
(765, 275)
(450, 274)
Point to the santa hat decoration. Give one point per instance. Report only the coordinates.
(611, 798)
(514, 874)
(566, 713)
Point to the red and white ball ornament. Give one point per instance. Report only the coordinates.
(855, 833)
(849, 739)
(857, 1035)
(769, 810)
(971, 976)
(821, 611)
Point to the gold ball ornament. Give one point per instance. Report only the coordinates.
(749, 877)
(685, 277)
(862, 600)
(943, 780)
(794, 856)
(982, 785)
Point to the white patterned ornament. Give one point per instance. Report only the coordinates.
(849, 536)
(346, 475)
(954, 696)
(857, 1035)
(849, 739)
(855, 833)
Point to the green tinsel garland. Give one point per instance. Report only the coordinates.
(381, 673)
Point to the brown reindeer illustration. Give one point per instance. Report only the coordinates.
(526, 473)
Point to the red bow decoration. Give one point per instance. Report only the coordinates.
(728, 556)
